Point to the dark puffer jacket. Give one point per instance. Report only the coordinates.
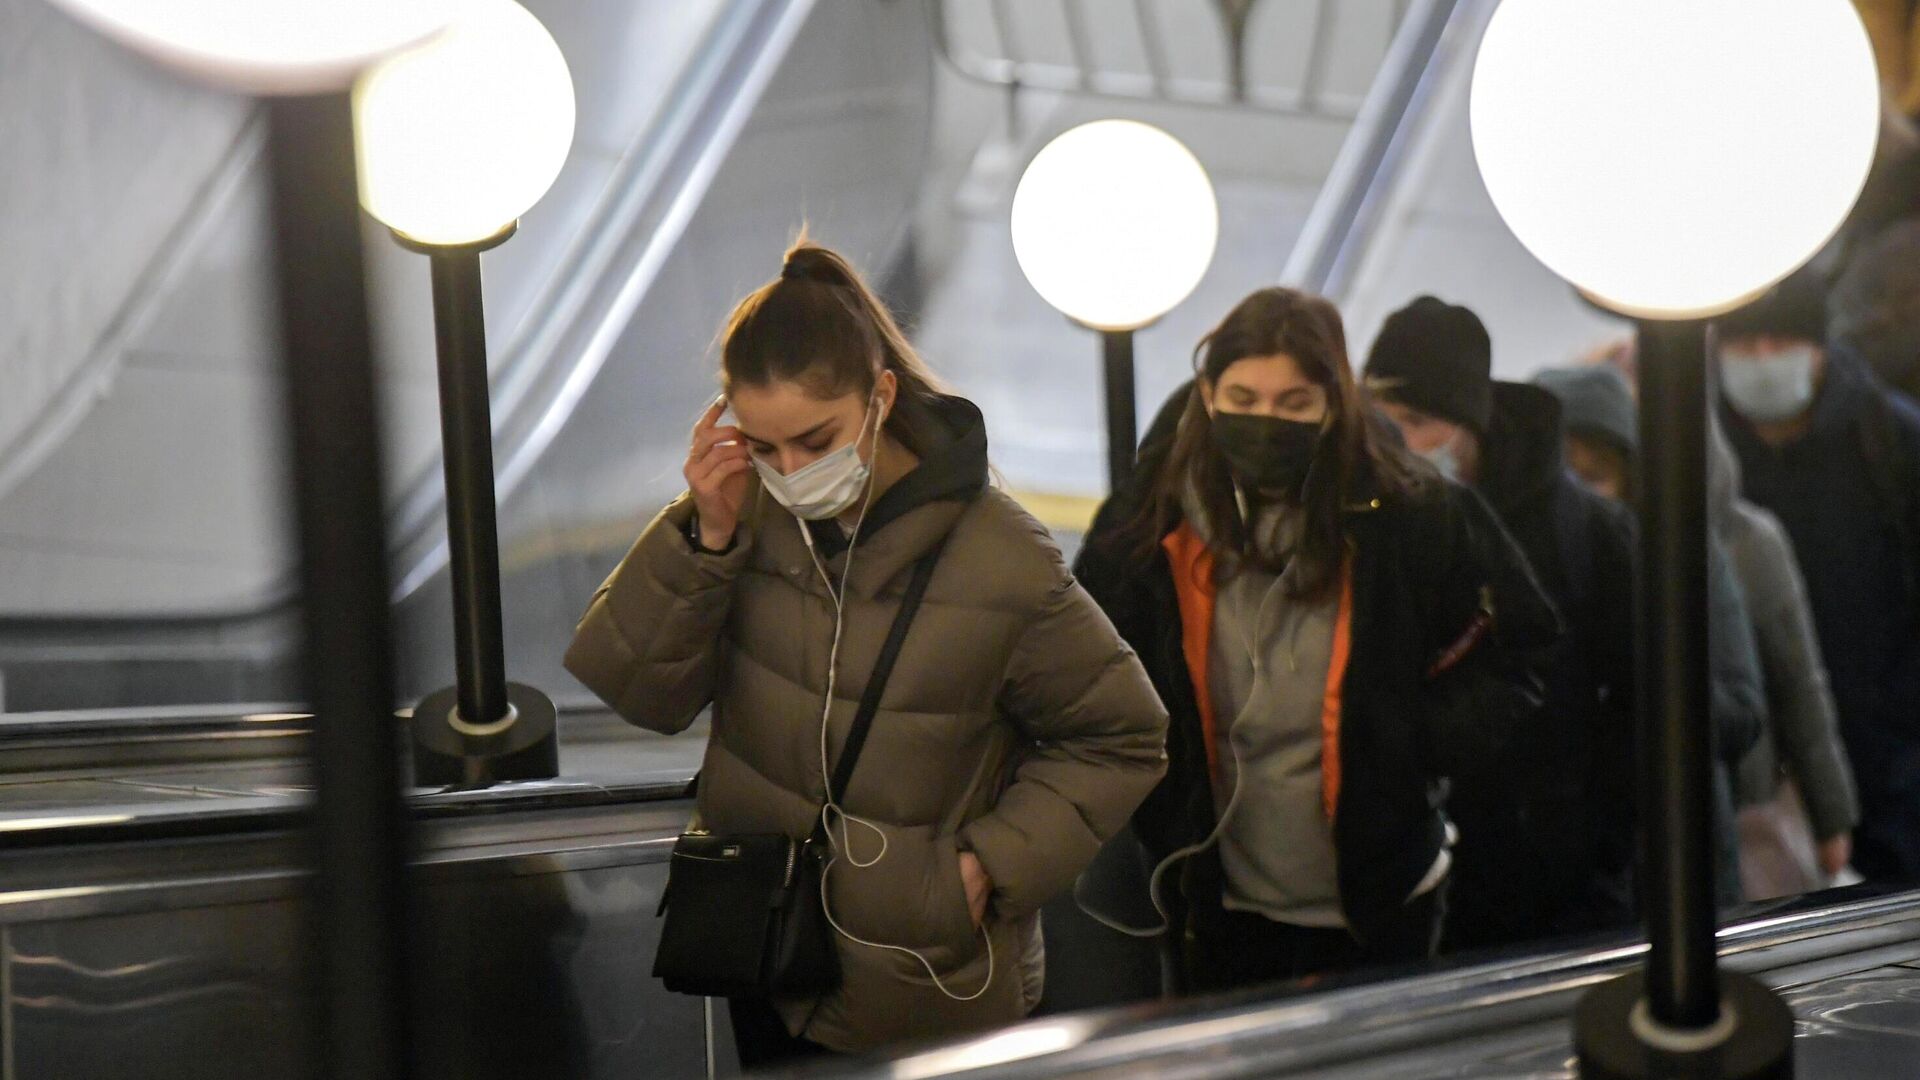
(1559, 802)
(1425, 566)
(1848, 492)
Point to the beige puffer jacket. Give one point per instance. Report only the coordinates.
(1017, 725)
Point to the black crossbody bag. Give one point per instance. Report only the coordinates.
(743, 912)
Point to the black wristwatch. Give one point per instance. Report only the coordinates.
(693, 538)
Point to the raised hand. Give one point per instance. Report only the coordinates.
(716, 472)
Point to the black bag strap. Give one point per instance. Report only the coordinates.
(883, 668)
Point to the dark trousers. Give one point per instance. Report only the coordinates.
(761, 1037)
(1230, 950)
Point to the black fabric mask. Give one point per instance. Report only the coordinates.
(1268, 455)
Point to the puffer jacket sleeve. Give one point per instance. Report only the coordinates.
(1098, 735)
(649, 644)
(1805, 723)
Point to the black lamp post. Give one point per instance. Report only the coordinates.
(459, 137)
(1122, 411)
(301, 56)
(1680, 1016)
(483, 729)
(359, 832)
(1641, 192)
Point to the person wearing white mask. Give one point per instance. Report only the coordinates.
(1835, 455)
(843, 517)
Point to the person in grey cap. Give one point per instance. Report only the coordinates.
(1559, 802)
(1603, 431)
(1782, 847)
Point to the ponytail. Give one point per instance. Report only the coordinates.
(821, 325)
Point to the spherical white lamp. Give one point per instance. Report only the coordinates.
(463, 134)
(1114, 223)
(265, 46)
(1674, 159)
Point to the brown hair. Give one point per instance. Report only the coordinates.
(820, 325)
(1352, 452)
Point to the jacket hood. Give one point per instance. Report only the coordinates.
(954, 468)
(1524, 456)
(1723, 474)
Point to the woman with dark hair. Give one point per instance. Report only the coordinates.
(1014, 735)
(1334, 628)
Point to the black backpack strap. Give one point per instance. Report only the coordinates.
(882, 669)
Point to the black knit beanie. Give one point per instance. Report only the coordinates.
(1795, 308)
(1435, 357)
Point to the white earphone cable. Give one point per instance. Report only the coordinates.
(831, 807)
(1226, 814)
(1160, 869)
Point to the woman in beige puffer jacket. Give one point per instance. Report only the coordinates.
(1017, 732)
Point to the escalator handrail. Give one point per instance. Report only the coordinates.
(578, 314)
(1287, 1029)
(82, 389)
(1337, 226)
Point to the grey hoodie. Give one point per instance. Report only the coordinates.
(1803, 732)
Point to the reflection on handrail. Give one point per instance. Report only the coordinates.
(1259, 1033)
(65, 821)
(1336, 225)
(1018, 1044)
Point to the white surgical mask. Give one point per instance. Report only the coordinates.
(1768, 389)
(826, 488)
(1445, 459)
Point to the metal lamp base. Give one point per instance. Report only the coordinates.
(1616, 1041)
(450, 751)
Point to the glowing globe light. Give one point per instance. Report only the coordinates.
(265, 46)
(1114, 223)
(1674, 158)
(463, 134)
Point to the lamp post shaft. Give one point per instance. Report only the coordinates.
(1122, 435)
(466, 434)
(1683, 988)
(359, 822)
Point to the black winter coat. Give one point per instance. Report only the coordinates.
(1848, 492)
(1560, 801)
(1426, 564)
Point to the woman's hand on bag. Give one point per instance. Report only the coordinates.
(979, 886)
(716, 472)
(1835, 853)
